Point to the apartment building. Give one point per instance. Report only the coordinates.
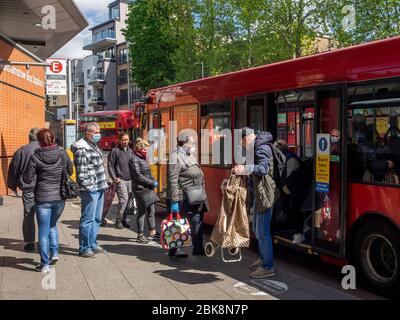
(105, 72)
(124, 79)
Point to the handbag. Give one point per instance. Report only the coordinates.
(131, 206)
(195, 195)
(147, 197)
(69, 188)
(175, 232)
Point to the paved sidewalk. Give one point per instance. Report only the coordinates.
(130, 270)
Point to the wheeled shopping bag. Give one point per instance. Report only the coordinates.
(232, 230)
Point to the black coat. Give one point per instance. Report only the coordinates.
(118, 163)
(18, 166)
(140, 174)
(47, 165)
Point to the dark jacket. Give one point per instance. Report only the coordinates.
(266, 192)
(18, 166)
(118, 163)
(140, 174)
(183, 171)
(47, 165)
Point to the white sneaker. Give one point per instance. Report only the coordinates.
(53, 260)
(298, 238)
(45, 269)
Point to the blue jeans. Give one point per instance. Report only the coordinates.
(47, 215)
(262, 231)
(92, 210)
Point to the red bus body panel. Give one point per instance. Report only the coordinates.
(364, 198)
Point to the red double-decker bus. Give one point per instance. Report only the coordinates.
(353, 206)
(111, 124)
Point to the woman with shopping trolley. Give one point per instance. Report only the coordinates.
(186, 192)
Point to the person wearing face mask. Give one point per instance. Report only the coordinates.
(184, 171)
(335, 142)
(118, 169)
(142, 180)
(91, 178)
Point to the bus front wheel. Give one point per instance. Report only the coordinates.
(377, 256)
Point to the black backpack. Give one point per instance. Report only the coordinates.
(280, 168)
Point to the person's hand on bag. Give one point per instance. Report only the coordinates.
(175, 207)
(117, 180)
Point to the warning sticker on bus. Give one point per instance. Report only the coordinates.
(322, 177)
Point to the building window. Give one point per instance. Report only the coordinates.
(115, 12)
(123, 76)
(123, 97)
(123, 56)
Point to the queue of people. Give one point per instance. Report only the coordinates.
(44, 166)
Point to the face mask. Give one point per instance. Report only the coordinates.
(335, 140)
(96, 137)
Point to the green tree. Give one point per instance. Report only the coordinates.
(152, 43)
(374, 20)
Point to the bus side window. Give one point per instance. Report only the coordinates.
(373, 142)
(216, 118)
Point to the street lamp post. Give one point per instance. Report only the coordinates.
(202, 68)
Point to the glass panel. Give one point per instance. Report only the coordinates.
(374, 133)
(328, 204)
(295, 123)
(256, 115)
(186, 117)
(240, 114)
(217, 117)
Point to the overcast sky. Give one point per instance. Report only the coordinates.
(90, 9)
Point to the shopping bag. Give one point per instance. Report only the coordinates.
(175, 232)
(232, 229)
(108, 198)
(130, 209)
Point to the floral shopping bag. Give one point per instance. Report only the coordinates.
(175, 232)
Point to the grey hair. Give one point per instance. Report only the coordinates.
(33, 134)
(90, 127)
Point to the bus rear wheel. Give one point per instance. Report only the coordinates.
(377, 256)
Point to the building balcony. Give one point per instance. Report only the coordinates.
(101, 40)
(97, 79)
(80, 102)
(96, 101)
(105, 55)
(79, 80)
(102, 19)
